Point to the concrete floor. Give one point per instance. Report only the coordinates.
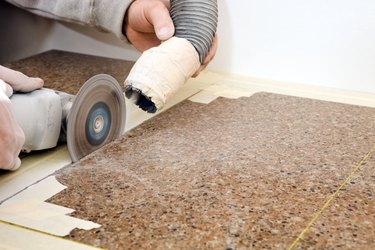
(263, 171)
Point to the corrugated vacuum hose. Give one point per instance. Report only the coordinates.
(162, 70)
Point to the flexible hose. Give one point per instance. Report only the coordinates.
(161, 71)
(196, 21)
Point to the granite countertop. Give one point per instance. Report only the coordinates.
(67, 71)
(248, 173)
(234, 174)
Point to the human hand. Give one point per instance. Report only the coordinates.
(210, 56)
(12, 137)
(19, 81)
(148, 23)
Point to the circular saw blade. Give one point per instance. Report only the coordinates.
(96, 117)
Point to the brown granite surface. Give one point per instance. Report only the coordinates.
(235, 174)
(349, 223)
(67, 72)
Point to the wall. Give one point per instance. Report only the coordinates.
(22, 34)
(322, 42)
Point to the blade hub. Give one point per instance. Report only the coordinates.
(96, 117)
(98, 123)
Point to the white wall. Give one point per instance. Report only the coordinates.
(318, 42)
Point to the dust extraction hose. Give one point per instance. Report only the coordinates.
(162, 70)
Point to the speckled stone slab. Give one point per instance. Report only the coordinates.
(349, 223)
(67, 72)
(234, 174)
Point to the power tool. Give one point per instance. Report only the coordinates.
(86, 121)
(96, 115)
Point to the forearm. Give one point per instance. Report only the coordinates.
(107, 15)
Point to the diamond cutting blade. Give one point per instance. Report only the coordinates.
(96, 117)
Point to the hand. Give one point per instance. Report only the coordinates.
(12, 137)
(19, 81)
(148, 23)
(210, 56)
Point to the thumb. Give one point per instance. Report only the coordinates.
(160, 18)
(29, 84)
(19, 81)
(6, 88)
(15, 165)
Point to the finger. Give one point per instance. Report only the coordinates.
(210, 56)
(26, 84)
(158, 16)
(142, 41)
(19, 141)
(16, 164)
(6, 88)
(31, 84)
(19, 81)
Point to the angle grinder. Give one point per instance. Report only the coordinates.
(86, 121)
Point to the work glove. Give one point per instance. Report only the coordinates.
(12, 137)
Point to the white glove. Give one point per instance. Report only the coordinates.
(12, 137)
